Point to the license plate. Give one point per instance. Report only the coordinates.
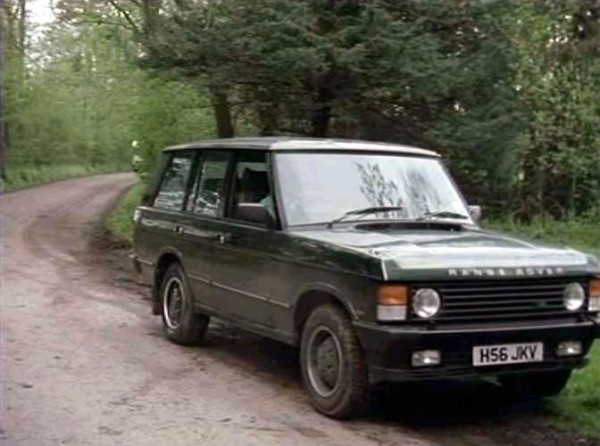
(508, 354)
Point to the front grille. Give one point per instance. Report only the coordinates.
(503, 299)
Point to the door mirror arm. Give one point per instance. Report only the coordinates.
(475, 212)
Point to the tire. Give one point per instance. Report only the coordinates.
(333, 367)
(181, 323)
(536, 384)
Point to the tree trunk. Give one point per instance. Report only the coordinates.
(3, 139)
(22, 29)
(321, 118)
(322, 110)
(150, 12)
(222, 111)
(267, 117)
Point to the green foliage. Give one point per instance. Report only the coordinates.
(120, 222)
(581, 234)
(559, 87)
(23, 176)
(84, 103)
(508, 91)
(326, 68)
(579, 405)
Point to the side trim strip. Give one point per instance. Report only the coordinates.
(238, 291)
(135, 258)
(243, 293)
(262, 330)
(198, 278)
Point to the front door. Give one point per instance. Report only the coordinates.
(244, 259)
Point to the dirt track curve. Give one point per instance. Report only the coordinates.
(83, 362)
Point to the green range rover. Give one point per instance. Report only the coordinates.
(367, 257)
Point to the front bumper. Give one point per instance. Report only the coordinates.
(389, 348)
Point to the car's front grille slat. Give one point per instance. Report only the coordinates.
(496, 294)
(504, 302)
(503, 299)
(505, 309)
(495, 286)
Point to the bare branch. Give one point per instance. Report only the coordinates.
(125, 15)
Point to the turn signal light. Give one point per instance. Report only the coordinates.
(392, 294)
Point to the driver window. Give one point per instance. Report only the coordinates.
(252, 198)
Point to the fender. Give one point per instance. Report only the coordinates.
(324, 288)
(171, 252)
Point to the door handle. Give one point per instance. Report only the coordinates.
(223, 237)
(178, 230)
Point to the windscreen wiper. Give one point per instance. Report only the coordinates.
(442, 214)
(365, 211)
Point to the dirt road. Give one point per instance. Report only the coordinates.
(84, 362)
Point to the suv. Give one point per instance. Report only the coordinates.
(367, 257)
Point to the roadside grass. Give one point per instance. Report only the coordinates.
(578, 406)
(24, 176)
(120, 222)
(579, 234)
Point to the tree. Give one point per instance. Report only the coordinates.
(508, 91)
(3, 139)
(558, 78)
(84, 103)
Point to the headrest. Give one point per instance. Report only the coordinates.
(254, 180)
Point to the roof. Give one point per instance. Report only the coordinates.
(286, 143)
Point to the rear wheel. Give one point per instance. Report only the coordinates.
(332, 362)
(182, 324)
(536, 384)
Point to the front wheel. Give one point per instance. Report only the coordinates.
(536, 384)
(332, 362)
(182, 324)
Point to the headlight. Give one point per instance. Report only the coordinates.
(426, 303)
(574, 297)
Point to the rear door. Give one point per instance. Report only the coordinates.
(156, 231)
(203, 227)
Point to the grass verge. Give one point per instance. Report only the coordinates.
(24, 176)
(582, 235)
(577, 407)
(120, 222)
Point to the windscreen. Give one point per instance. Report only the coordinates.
(321, 187)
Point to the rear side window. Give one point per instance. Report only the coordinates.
(210, 185)
(172, 190)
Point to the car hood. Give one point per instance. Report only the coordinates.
(430, 254)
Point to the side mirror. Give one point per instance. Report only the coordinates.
(254, 213)
(475, 212)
